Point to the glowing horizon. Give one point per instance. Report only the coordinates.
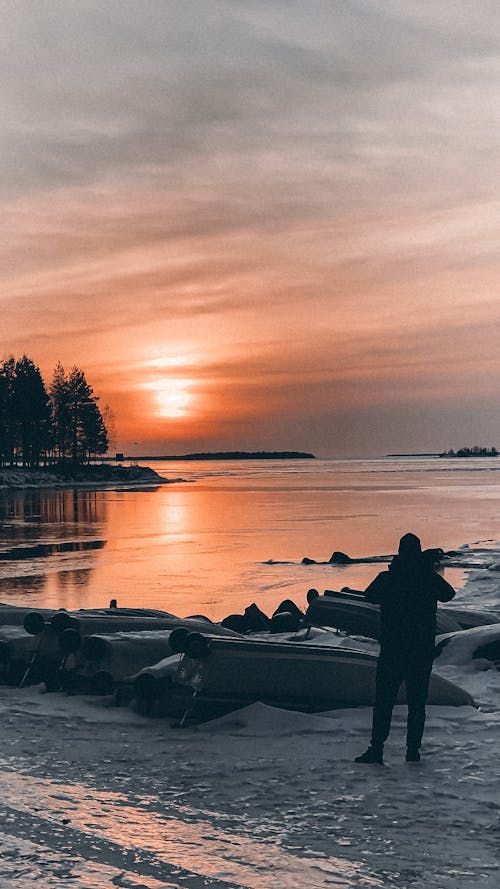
(265, 226)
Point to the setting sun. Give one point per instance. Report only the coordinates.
(172, 397)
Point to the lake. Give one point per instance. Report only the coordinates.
(203, 545)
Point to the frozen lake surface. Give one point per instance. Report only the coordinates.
(205, 545)
(94, 796)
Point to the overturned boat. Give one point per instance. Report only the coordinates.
(14, 615)
(101, 662)
(349, 612)
(217, 675)
(88, 650)
(465, 617)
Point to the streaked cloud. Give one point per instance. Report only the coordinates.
(298, 197)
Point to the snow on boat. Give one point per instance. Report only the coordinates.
(111, 620)
(73, 627)
(154, 682)
(217, 675)
(351, 613)
(469, 617)
(475, 644)
(13, 641)
(102, 660)
(17, 649)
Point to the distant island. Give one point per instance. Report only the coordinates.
(413, 455)
(233, 455)
(471, 452)
(476, 451)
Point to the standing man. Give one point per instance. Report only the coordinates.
(408, 593)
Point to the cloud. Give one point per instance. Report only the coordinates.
(298, 194)
(92, 89)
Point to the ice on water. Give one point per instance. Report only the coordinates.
(262, 798)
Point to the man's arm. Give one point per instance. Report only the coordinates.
(376, 590)
(443, 590)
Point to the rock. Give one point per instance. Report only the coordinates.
(338, 558)
(235, 622)
(288, 606)
(285, 622)
(256, 619)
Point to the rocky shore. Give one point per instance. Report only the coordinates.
(98, 475)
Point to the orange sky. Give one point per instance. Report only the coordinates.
(258, 225)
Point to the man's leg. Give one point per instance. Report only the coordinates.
(388, 679)
(417, 678)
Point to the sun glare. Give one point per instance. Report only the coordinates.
(172, 397)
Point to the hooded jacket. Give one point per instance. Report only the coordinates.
(408, 593)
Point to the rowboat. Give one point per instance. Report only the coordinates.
(103, 661)
(351, 613)
(464, 617)
(14, 615)
(90, 649)
(217, 675)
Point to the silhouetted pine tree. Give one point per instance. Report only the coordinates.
(94, 436)
(66, 421)
(5, 410)
(61, 411)
(8, 431)
(31, 414)
(88, 432)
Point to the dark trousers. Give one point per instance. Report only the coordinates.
(392, 670)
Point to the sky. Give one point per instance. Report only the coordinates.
(258, 224)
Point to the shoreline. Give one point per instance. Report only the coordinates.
(96, 476)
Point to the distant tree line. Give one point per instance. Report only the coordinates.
(476, 451)
(243, 455)
(40, 425)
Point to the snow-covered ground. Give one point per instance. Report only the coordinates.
(96, 796)
(93, 795)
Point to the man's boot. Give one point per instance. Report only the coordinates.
(372, 755)
(412, 754)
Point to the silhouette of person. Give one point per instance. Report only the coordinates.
(408, 593)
